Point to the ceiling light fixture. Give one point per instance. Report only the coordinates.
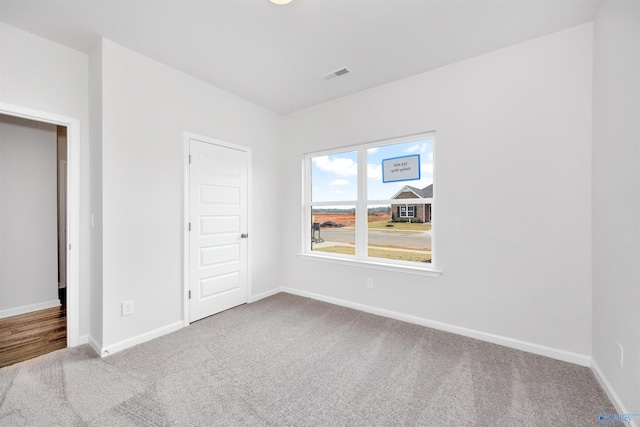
(281, 2)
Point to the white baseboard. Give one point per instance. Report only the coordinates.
(139, 339)
(611, 393)
(554, 353)
(29, 308)
(263, 295)
(94, 345)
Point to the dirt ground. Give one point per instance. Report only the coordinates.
(347, 219)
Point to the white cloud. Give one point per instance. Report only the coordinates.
(339, 182)
(340, 166)
(373, 150)
(418, 147)
(374, 171)
(413, 148)
(427, 169)
(339, 192)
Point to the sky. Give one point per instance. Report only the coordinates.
(334, 177)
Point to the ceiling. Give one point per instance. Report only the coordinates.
(274, 56)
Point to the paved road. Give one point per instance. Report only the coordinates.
(396, 238)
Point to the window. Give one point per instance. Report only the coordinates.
(372, 203)
(406, 211)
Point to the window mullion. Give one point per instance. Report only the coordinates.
(361, 205)
(306, 204)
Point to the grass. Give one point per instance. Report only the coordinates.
(415, 226)
(338, 249)
(408, 248)
(379, 253)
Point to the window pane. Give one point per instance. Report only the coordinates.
(379, 190)
(394, 236)
(333, 229)
(334, 177)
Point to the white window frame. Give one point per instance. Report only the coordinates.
(361, 205)
(408, 214)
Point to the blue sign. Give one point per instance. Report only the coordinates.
(397, 169)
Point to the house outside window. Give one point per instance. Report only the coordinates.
(352, 211)
(418, 212)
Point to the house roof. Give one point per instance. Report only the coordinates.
(422, 193)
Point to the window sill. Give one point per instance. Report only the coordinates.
(378, 265)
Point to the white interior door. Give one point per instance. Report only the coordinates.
(218, 249)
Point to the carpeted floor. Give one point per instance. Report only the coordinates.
(292, 361)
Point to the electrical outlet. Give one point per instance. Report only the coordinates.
(620, 355)
(369, 283)
(127, 307)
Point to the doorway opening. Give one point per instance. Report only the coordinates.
(33, 209)
(39, 185)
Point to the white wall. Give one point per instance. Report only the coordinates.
(28, 216)
(616, 197)
(61, 139)
(513, 154)
(95, 166)
(146, 107)
(42, 75)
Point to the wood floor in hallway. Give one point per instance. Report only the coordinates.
(30, 335)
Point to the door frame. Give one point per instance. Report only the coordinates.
(73, 208)
(62, 213)
(188, 136)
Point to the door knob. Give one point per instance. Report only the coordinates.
(244, 235)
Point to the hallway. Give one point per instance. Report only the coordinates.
(30, 335)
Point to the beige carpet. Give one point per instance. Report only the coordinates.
(292, 361)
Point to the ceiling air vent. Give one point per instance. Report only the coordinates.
(334, 74)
